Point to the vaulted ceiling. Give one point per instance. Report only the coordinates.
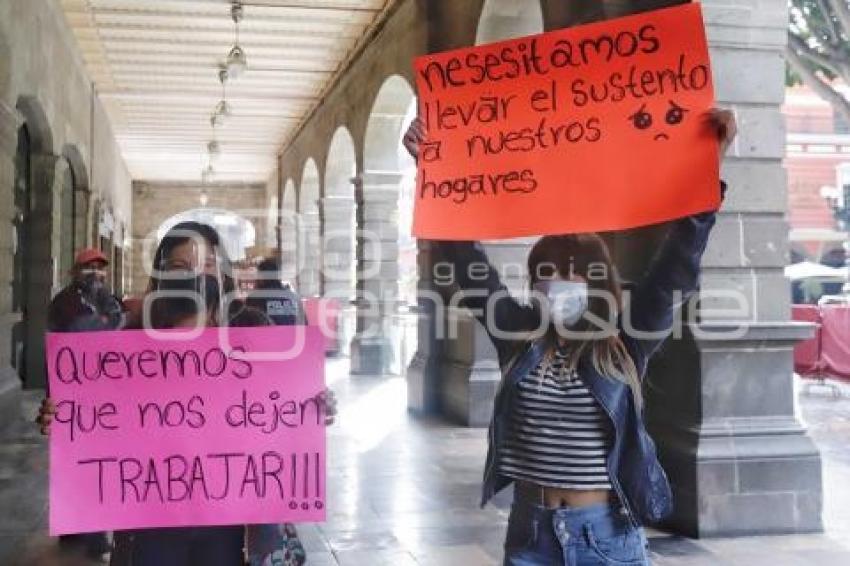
(155, 65)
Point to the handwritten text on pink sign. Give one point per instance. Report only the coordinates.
(155, 431)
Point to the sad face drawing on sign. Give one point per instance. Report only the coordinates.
(661, 121)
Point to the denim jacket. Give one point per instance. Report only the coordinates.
(633, 467)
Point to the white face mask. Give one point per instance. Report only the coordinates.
(566, 300)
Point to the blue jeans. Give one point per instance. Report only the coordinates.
(573, 536)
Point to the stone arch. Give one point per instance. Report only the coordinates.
(271, 236)
(77, 163)
(73, 206)
(341, 164)
(387, 254)
(506, 19)
(338, 205)
(309, 231)
(390, 175)
(238, 234)
(462, 385)
(501, 20)
(382, 148)
(38, 126)
(38, 177)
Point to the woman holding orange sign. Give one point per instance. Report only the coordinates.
(568, 425)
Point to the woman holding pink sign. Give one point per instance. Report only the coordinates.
(567, 427)
(190, 287)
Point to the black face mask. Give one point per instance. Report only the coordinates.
(195, 290)
(91, 283)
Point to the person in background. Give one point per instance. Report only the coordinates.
(270, 544)
(280, 303)
(86, 304)
(272, 303)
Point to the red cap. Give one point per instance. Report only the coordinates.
(88, 255)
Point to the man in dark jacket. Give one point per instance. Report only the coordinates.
(280, 303)
(85, 305)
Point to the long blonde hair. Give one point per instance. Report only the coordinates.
(583, 254)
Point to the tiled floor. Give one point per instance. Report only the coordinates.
(404, 491)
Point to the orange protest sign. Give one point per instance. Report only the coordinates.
(593, 128)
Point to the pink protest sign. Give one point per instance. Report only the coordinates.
(224, 428)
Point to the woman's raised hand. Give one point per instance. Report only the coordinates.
(328, 398)
(723, 123)
(414, 137)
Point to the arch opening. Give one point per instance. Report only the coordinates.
(73, 204)
(237, 233)
(387, 254)
(289, 234)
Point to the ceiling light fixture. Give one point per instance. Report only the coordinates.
(214, 149)
(237, 61)
(222, 110)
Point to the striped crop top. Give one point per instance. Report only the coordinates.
(558, 435)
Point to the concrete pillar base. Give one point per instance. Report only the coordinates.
(421, 393)
(739, 461)
(372, 355)
(467, 391)
(756, 477)
(423, 373)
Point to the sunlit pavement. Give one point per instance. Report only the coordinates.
(403, 490)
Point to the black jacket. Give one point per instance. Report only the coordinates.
(280, 304)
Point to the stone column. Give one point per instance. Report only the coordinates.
(82, 197)
(423, 374)
(455, 370)
(337, 250)
(338, 257)
(721, 406)
(720, 401)
(309, 252)
(470, 368)
(10, 384)
(374, 348)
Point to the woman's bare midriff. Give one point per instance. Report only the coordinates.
(552, 498)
